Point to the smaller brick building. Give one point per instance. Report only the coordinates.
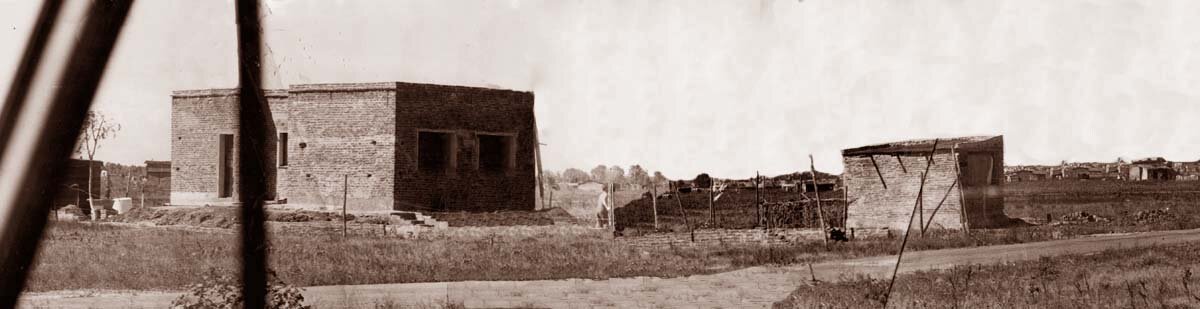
(384, 146)
(883, 182)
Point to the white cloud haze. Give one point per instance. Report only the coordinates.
(724, 87)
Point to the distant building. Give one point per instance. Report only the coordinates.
(1025, 175)
(384, 146)
(1151, 169)
(883, 180)
(158, 183)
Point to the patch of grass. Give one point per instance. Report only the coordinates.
(96, 256)
(1155, 277)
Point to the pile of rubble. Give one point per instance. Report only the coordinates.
(1079, 217)
(1152, 216)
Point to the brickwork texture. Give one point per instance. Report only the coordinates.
(361, 141)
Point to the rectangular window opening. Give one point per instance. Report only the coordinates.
(497, 152)
(435, 152)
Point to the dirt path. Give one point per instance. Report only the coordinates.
(751, 287)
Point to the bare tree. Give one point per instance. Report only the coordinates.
(96, 128)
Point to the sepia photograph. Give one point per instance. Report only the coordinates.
(599, 154)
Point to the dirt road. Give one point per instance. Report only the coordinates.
(751, 287)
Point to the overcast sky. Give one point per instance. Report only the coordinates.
(725, 87)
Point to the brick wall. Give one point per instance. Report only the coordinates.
(874, 207)
(345, 129)
(369, 132)
(198, 117)
(464, 111)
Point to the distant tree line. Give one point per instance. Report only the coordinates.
(635, 176)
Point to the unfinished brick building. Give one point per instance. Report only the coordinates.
(395, 146)
(883, 182)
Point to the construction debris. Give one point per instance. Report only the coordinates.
(1153, 216)
(1078, 218)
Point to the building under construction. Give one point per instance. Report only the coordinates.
(884, 181)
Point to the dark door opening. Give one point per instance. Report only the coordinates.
(225, 166)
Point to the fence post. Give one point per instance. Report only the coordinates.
(612, 208)
(654, 203)
(711, 213)
(345, 194)
(817, 192)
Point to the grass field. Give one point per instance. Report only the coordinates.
(103, 256)
(1157, 277)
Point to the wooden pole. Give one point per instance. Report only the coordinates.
(812, 165)
(962, 199)
(757, 206)
(711, 213)
(877, 172)
(612, 208)
(845, 201)
(345, 194)
(654, 203)
(679, 201)
(939, 205)
(908, 227)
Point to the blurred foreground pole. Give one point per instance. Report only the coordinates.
(41, 120)
(908, 228)
(254, 161)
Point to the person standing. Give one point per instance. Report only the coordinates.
(602, 209)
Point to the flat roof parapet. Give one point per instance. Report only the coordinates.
(354, 87)
(222, 92)
(920, 146)
(341, 87)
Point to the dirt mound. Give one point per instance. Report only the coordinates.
(305, 216)
(217, 217)
(560, 216)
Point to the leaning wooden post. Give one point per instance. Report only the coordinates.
(612, 208)
(654, 203)
(908, 228)
(679, 201)
(962, 199)
(812, 165)
(845, 202)
(711, 213)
